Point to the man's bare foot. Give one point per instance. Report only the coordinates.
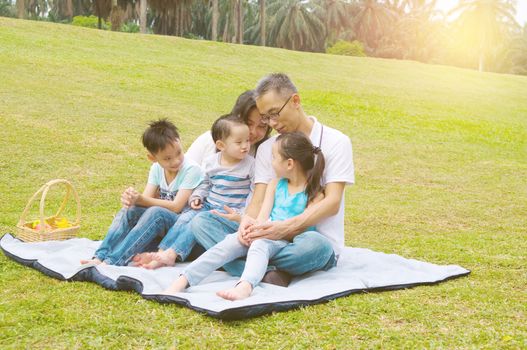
(177, 286)
(94, 261)
(241, 291)
(142, 258)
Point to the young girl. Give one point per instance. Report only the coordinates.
(228, 182)
(299, 167)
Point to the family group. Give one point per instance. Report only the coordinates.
(264, 208)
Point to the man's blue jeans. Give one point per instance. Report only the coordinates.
(131, 232)
(309, 251)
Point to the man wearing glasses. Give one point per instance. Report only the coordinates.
(279, 104)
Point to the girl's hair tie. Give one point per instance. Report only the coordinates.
(316, 150)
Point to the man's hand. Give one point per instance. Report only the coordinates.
(242, 240)
(230, 214)
(196, 204)
(129, 197)
(274, 230)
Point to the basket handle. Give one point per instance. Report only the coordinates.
(44, 190)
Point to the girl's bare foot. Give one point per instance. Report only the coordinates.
(177, 286)
(241, 291)
(94, 261)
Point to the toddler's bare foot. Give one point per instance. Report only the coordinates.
(241, 291)
(94, 261)
(161, 259)
(142, 258)
(177, 286)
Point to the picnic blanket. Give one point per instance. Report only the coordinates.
(358, 270)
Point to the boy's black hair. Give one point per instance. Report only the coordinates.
(159, 134)
(221, 128)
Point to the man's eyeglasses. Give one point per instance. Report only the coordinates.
(266, 118)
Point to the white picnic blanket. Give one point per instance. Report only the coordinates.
(358, 269)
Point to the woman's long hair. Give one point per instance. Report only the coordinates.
(243, 107)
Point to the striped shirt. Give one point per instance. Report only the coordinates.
(225, 185)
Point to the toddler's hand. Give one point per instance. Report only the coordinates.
(196, 204)
(230, 214)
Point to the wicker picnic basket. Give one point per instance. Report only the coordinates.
(50, 228)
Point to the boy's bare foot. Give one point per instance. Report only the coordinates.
(241, 291)
(94, 261)
(177, 286)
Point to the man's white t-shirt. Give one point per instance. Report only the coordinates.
(338, 155)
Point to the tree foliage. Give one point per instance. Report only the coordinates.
(476, 34)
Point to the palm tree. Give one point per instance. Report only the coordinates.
(21, 8)
(370, 21)
(215, 18)
(142, 16)
(417, 33)
(262, 23)
(294, 25)
(335, 14)
(484, 22)
(172, 17)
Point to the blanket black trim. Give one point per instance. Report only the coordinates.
(126, 283)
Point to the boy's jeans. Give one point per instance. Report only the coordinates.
(132, 230)
(309, 251)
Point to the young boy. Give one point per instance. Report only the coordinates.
(228, 182)
(146, 215)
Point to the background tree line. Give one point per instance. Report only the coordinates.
(480, 34)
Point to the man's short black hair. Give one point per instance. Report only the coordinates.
(277, 82)
(159, 134)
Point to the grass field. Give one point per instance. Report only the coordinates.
(441, 164)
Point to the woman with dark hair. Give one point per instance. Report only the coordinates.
(245, 107)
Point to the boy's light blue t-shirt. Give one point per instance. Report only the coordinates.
(188, 178)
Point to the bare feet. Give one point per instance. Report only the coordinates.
(177, 286)
(161, 259)
(142, 258)
(241, 291)
(94, 261)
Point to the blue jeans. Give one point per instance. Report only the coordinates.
(309, 251)
(131, 231)
(180, 237)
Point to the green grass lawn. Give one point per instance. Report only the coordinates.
(441, 165)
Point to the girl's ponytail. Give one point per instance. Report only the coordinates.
(313, 186)
(298, 147)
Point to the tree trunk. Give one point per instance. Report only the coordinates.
(142, 16)
(226, 29)
(480, 66)
(21, 8)
(240, 21)
(262, 23)
(215, 16)
(69, 9)
(115, 16)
